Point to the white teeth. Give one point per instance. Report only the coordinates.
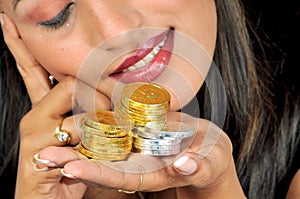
(140, 64)
(156, 50)
(131, 68)
(162, 43)
(148, 58)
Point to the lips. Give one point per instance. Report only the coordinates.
(149, 61)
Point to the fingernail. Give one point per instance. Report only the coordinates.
(43, 161)
(1, 19)
(66, 174)
(37, 168)
(185, 165)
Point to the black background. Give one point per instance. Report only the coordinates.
(277, 23)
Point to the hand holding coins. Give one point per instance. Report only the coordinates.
(139, 124)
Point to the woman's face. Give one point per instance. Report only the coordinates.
(61, 33)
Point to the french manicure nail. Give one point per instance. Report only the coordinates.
(185, 165)
(66, 174)
(43, 161)
(37, 168)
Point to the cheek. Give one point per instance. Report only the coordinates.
(200, 22)
(197, 18)
(58, 58)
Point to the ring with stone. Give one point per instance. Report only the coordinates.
(62, 135)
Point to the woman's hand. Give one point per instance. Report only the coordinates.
(37, 131)
(38, 126)
(205, 169)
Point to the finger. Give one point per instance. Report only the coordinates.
(63, 99)
(54, 156)
(38, 137)
(58, 102)
(98, 174)
(77, 166)
(93, 172)
(50, 184)
(40, 124)
(33, 74)
(208, 158)
(87, 98)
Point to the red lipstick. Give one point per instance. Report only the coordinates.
(149, 61)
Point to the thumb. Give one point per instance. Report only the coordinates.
(185, 165)
(196, 170)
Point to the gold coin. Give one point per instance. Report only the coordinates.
(90, 130)
(101, 156)
(107, 121)
(112, 148)
(107, 147)
(146, 93)
(93, 141)
(106, 144)
(145, 107)
(107, 140)
(153, 111)
(144, 120)
(142, 115)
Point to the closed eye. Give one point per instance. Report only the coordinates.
(59, 20)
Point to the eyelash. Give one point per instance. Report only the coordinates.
(59, 20)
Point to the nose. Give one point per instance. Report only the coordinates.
(110, 18)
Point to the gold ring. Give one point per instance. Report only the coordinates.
(139, 186)
(62, 135)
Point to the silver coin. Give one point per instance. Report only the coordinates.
(158, 152)
(172, 129)
(157, 147)
(146, 141)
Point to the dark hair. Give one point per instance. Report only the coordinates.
(262, 128)
(14, 104)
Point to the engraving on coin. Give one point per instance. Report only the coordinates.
(146, 93)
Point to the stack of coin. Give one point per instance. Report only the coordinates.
(163, 142)
(147, 104)
(107, 136)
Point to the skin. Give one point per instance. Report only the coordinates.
(294, 189)
(215, 173)
(111, 18)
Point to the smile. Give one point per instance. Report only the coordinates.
(148, 58)
(149, 61)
